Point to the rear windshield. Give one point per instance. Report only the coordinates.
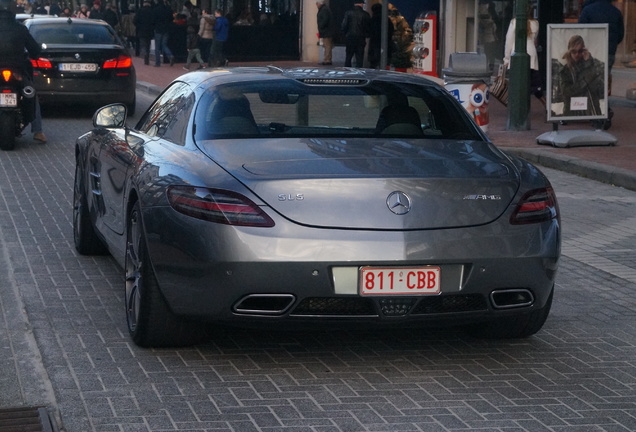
(288, 108)
(73, 34)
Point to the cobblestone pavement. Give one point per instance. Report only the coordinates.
(64, 345)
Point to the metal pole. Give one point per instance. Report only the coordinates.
(384, 34)
(519, 92)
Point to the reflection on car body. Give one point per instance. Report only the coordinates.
(259, 195)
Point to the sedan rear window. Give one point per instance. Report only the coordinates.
(288, 108)
(73, 34)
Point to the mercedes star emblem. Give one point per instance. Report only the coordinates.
(399, 202)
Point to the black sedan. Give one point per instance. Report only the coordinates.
(314, 196)
(83, 61)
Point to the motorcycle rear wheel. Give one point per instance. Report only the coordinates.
(7, 130)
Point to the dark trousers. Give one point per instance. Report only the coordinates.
(205, 45)
(354, 47)
(144, 48)
(217, 57)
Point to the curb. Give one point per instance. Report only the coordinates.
(595, 171)
(149, 88)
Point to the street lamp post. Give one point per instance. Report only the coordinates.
(519, 94)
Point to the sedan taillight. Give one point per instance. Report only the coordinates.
(218, 206)
(120, 62)
(538, 205)
(42, 63)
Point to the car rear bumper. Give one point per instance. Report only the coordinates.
(220, 273)
(54, 91)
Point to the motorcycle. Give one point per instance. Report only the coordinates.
(17, 105)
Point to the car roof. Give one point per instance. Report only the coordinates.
(308, 75)
(25, 16)
(68, 20)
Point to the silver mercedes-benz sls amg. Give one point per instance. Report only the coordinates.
(261, 195)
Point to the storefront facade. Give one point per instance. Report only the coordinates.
(286, 29)
(474, 25)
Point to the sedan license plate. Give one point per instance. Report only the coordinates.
(78, 67)
(400, 280)
(8, 99)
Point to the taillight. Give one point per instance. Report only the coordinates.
(215, 205)
(538, 205)
(120, 62)
(6, 74)
(42, 63)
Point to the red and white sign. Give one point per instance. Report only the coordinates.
(425, 38)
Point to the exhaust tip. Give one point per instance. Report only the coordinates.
(28, 92)
(264, 304)
(511, 298)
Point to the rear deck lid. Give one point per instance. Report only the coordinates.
(373, 183)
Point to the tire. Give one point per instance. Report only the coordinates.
(132, 107)
(514, 327)
(7, 130)
(86, 240)
(150, 321)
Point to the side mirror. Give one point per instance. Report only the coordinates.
(110, 116)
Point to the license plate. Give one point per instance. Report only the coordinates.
(8, 99)
(400, 280)
(78, 67)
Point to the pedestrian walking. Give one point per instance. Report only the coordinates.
(536, 87)
(82, 13)
(206, 34)
(356, 27)
(144, 25)
(110, 15)
(162, 22)
(221, 33)
(193, 48)
(96, 10)
(603, 12)
(326, 30)
(375, 40)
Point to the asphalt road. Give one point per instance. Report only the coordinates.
(64, 345)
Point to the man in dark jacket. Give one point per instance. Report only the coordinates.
(356, 26)
(145, 29)
(326, 30)
(162, 21)
(375, 41)
(110, 15)
(15, 40)
(96, 11)
(603, 12)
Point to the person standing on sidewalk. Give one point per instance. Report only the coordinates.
(532, 32)
(221, 33)
(356, 27)
(326, 30)
(162, 20)
(604, 12)
(206, 34)
(145, 29)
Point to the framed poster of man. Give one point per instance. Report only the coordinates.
(577, 74)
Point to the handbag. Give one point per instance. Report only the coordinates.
(499, 89)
